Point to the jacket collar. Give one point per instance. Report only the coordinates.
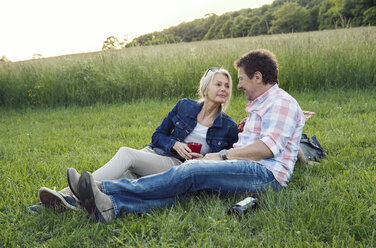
(196, 109)
(218, 119)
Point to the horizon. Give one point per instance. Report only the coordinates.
(81, 27)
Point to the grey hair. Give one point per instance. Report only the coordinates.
(207, 78)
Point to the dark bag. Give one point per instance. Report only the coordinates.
(311, 148)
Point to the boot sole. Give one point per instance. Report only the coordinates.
(53, 199)
(86, 193)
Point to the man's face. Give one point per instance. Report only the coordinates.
(249, 86)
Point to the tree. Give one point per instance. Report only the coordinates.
(280, 16)
(216, 27)
(345, 13)
(327, 15)
(370, 16)
(258, 27)
(124, 42)
(110, 43)
(225, 31)
(37, 56)
(266, 19)
(4, 59)
(290, 17)
(241, 26)
(356, 11)
(314, 14)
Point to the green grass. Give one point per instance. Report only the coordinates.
(330, 59)
(329, 205)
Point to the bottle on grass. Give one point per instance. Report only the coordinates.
(243, 206)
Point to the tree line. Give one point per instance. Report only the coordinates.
(282, 16)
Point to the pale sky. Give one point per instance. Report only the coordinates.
(52, 28)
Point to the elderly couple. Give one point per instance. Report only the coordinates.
(261, 156)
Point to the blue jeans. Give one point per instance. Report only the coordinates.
(160, 190)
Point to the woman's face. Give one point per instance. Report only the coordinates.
(218, 90)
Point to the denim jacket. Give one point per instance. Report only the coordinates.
(181, 121)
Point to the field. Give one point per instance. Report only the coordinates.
(332, 204)
(323, 60)
(63, 124)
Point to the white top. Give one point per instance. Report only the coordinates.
(198, 135)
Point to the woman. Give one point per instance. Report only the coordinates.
(200, 121)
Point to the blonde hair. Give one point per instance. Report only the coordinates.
(207, 78)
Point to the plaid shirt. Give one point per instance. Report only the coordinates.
(276, 119)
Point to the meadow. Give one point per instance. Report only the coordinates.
(328, 205)
(330, 59)
(76, 111)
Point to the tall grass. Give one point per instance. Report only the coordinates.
(308, 61)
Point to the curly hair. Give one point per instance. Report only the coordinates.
(260, 60)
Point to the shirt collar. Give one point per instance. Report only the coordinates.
(196, 109)
(262, 97)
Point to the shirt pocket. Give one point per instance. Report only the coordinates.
(253, 123)
(253, 126)
(181, 129)
(217, 144)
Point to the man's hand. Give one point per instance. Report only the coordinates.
(196, 155)
(254, 152)
(212, 156)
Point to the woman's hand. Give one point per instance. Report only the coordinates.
(183, 150)
(196, 155)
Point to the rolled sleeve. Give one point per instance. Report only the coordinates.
(271, 144)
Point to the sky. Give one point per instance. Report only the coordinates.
(59, 27)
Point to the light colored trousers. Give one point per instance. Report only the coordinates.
(131, 164)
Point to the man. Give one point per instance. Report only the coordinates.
(263, 157)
